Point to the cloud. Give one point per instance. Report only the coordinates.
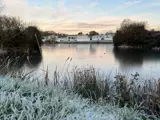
(152, 4)
(94, 25)
(93, 4)
(131, 3)
(41, 16)
(100, 24)
(125, 5)
(26, 12)
(67, 20)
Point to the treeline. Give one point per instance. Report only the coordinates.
(47, 33)
(15, 33)
(135, 34)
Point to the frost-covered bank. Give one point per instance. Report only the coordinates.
(32, 101)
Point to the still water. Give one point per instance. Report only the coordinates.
(103, 57)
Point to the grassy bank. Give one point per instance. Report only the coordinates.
(26, 100)
(121, 91)
(144, 97)
(90, 87)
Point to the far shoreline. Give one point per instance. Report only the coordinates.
(80, 42)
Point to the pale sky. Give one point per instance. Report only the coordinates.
(73, 16)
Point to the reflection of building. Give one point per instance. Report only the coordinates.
(93, 48)
(82, 47)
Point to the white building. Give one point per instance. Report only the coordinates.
(50, 38)
(72, 38)
(83, 38)
(62, 39)
(102, 38)
(86, 38)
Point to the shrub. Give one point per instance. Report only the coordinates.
(132, 34)
(10, 27)
(85, 82)
(14, 33)
(33, 36)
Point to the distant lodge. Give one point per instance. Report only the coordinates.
(80, 39)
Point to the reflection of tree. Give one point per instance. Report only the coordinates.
(93, 49)
(34, 60)
(51, 46)
(128, 57)
(134, 57)
(15, 60)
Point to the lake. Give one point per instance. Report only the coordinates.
(104, 57)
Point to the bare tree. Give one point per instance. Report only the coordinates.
(80, 33)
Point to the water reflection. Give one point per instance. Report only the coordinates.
(92, 48)
(129, 57)
(102, 56)
(105, 57)
(15, 60)
(145, 62)
(135, 57)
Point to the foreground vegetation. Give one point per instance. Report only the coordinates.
(81, 94)
(121, 91)
(142, 95)
(135, 34)
(26, 100)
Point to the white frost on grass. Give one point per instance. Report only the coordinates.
(22, 100)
